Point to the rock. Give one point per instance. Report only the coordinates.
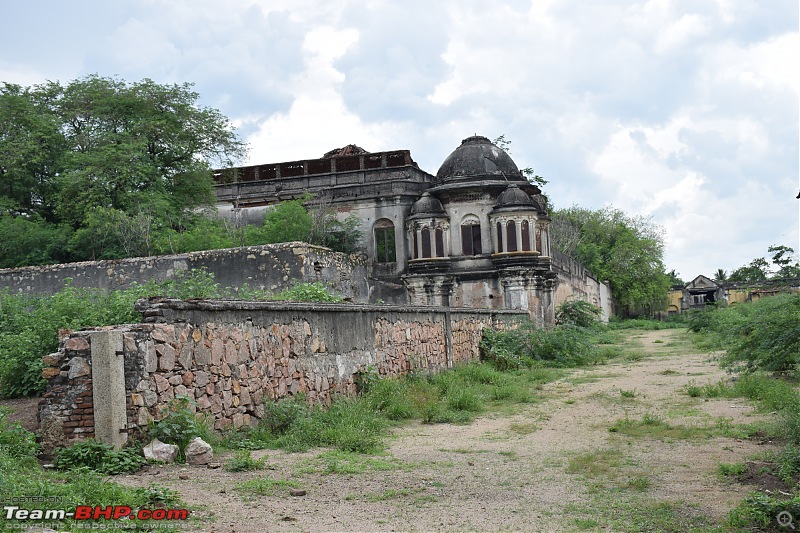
(159, 451)
(297, 492)
(214, 466)
(78, 367)
(199, 452)
(183, 476)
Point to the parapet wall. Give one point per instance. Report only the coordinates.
(267, 267)
(231, 356)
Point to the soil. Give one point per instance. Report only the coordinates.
(552, 465)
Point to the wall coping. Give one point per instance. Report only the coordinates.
(358, 258)
(150, 307)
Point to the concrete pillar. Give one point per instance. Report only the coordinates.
(108, 388)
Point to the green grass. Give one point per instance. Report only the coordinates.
(654, 427)
(263, 486)
(350, 463)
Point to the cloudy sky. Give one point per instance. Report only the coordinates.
(686, 111)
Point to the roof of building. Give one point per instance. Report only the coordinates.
(477, 159)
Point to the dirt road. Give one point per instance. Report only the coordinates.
(619, 446)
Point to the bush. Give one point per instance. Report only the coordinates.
(178, 426)
(309, 292)
(578, 313)
(242, 461)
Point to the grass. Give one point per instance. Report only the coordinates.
(349, 463)
(654, 427)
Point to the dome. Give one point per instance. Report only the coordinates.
(427, 206)
(477, 159)
(514, 197)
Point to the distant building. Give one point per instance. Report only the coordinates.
(476, 234)
(703, 291)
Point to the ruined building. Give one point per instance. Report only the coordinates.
(473, 235)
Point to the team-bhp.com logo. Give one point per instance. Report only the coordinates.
(88, 512)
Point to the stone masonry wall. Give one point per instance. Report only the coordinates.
(232, 356)
(268, 267)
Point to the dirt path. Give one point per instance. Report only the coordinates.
(553, 465)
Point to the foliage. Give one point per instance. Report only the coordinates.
(785, 264)
(526, 346)
(627, 251)
(577, 313)
(280, 414)
(29, 324)
(178, 425)
(759, 335)
(309, 292)
(504, 144)
(101, 165)
(242, 461)
(761, 511)
(99, 457)
(15, 441)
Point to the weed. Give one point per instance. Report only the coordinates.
(640, 483)
(177, 426)
(99, 457)
(731, 469)
(243, 461)
(627, 393)
(349, 463)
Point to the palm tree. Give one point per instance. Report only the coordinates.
(720, 276)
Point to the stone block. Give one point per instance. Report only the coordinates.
(199, 452)
(76, 344)
(166, 357)
(159, 451)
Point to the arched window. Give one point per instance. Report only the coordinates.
(499, 237)
(426, 242)
(525, 230)
(385, 249)
(511, 236)
(471, 236)
(539, 240)
(439, 235)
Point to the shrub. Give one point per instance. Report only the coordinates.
(178, 426)
(281, 414)
(309, 292)
(578, 313)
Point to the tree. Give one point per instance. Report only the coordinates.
(720, 276)
(784, 259)
(757, 270)
(674, 278)
(142, 151)
(626, 251)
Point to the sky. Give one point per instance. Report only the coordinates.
(682, 111)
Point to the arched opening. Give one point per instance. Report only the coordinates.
(439, 238)
(525, 230)
(499, 237)
(426, 242)
(471, 236)
(511, 236)
(385, 246)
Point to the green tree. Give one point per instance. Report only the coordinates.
(141, 151)
(288, 221)
(720, 276)
(757, 270)
(626, 251)
(783, 257)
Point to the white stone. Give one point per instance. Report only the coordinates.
(159, 451)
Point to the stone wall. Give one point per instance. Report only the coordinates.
(231, 356)
(268, 267)
(575, 282)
